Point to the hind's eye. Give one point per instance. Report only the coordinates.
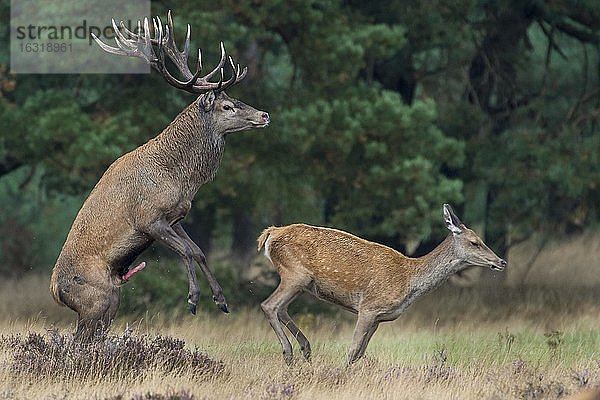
(476, 244)
(227, 107)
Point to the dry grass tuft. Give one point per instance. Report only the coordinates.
(59, 357)
(456, 343)
(546, 259)
(168, 395)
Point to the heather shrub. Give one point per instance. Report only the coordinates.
(59, 357)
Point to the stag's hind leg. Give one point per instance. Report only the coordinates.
(94, 320)
(275, 307)
(94, 300)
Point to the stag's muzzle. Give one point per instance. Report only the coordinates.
(263, 120)
(500, 265)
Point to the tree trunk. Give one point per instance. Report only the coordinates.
(243, 244)
(201, 226)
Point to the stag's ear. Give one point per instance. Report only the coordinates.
(207, 101)
(452, 221)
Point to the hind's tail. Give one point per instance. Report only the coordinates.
(264, 236)
(265, 239)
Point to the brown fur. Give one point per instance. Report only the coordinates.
(374, 281)
(586, 394)
(347, 263)
(141, 198)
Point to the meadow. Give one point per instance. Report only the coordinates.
(456, 343)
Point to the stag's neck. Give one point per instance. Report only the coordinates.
(434, 268)
(190, 149)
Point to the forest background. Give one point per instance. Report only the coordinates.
(381, 112)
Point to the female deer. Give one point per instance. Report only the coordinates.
(369, 279)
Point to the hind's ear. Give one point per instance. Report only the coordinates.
(207, 101)
(452, 222)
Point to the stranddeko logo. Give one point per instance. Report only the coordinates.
(57, 37)
(81, 31)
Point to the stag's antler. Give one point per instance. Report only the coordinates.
(142, 44)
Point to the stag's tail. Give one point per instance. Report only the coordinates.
(55, 288)
(62, 287)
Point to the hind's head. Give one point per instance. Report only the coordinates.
(468, 246)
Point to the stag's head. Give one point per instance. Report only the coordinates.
(152, 44)
(229, 115)
(468, 246)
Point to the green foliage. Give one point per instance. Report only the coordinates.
(161, 286)
(371, 149)
(33, 226)
(381, 111)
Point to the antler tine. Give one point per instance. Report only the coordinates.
(157, 25)
(107, 48)
(228, 82)
(218, 67)
(125, 46)
(123, 42)
(186, 44)
(179, 58)
(158, 31)
(123, 28)
(192, 81)
(170, 25)
(141, 44)
(236, 75)
(146, 52)
(148, 44)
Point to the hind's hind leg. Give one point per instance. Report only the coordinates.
(284, 317)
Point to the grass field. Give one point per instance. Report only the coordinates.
(490, 343)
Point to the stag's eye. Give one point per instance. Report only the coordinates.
(227, 107)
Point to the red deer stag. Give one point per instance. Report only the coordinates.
(143, 195)
(369, 279)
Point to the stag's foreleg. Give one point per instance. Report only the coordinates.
(200, 258)
(164, 233)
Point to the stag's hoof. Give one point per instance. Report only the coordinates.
(222, 305)
(192, 307)
(306, 352)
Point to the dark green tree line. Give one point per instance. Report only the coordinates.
(381, 111)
